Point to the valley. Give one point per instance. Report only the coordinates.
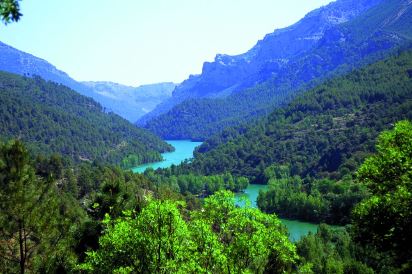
(292, 156)
(184, 151)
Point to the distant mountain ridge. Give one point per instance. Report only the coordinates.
(338, 37)
(18, 62)
(129, 102)
(228, 74)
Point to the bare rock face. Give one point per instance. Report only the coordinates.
(229, 74)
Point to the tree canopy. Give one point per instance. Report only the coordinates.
(384, 220)
(219, 238)
(10, 11)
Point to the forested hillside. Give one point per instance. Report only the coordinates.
(325, 132)
(52, 118)
(101, 219)
(64, 218)
(128, 102)
(342, 43)
(319, 114)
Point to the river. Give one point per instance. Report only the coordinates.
(184, 150)
(296, 229)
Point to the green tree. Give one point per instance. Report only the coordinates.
(384, 220)
(22, 198)
(252, 241)
(331, 250)
(157, 241)
(9, 11)
(35, 218)
(209, 251)
(219, 238)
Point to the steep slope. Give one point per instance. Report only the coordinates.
(53, 118)
(18, 62)
(325, 132)
(129, 102)
(228, 74)
(331, 40)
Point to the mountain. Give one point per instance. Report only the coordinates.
(52, 118)
(325, 132)
(129, 102)
(328, 41)
(18, 62)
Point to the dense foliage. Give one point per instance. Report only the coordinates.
(314, 200)
(43, 228)
(51, 210)
(35, 216)
(56, 217)
(52, 118)
(63, 216)
(325, 132)
(332, 251)
(220, 238)
(197, 184)
(378, 239)
(9, 11)
(384, 220)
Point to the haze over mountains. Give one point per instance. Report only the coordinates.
(128, 102)
(313, 123)
(235, 89)
(131, 102)
(328, 41)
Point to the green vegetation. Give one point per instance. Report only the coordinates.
(9, 11)
(51, 118)
(367, 38)
(220, 238)
(326, 132)
(51, 210)
(313, 200)
(332, 251)
(384, 220)
(378, 239)
(197, 184)
(74, 213)
(56, 217)
(35, 216)
(309, 150)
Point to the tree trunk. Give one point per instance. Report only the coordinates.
(22, 254)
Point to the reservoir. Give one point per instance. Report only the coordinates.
(296, 229)
(184, 150)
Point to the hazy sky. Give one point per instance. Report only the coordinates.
(145, 41)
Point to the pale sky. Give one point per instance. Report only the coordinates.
(138, 42)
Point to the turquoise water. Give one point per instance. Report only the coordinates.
(183, 150)
(296, 229)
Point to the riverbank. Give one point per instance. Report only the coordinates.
(184, 150)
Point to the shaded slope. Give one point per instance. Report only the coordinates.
(53, 118)
(325, 132)
(349, 43)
